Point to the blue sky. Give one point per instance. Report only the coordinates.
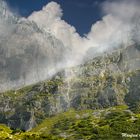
(79, 13)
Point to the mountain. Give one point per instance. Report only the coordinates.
(5, 14)
(109, 80)
(28, 54)
(97, 99)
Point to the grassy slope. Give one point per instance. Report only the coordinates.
(103, 124)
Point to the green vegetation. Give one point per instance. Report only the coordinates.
(106, 124)
(91, 125)
(8, 134)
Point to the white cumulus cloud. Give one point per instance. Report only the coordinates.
(26, 44)
(116, 27)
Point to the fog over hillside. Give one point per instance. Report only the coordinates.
(34, 48)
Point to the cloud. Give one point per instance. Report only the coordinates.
(115, 28)
(33, 48)
(48, 15)
(28, 54)
(50, 18)
(125, 10)
(128, 13)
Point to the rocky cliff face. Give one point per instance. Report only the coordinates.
(5, 14)
(26, 51)
(108, 80)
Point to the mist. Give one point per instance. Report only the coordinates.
(117, 27)
(33, 49)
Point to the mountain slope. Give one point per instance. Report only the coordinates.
(112, 123)
(103, 82)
